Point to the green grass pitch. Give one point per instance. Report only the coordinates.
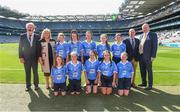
(166, 66)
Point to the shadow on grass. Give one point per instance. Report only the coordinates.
(139, 100)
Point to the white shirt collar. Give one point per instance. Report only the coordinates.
(88, 42)
(74, 64)
(92, 61)
(124, 63)
(59, 67)
(117, 43)
(31, 35)
(106, 62)
(61, 42)
(147, 33)
(102, 43)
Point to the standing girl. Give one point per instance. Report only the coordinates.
(102, 46)
(125, 71)
(58, 73)
(75, 45)
(88, 45)
(107, 73)
(47, 50)
(74, 71)
(117, 48)
(62, 48)
(91, 77)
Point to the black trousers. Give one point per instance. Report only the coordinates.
(146, 67)
(27, 66)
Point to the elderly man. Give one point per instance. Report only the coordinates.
(147, 50)
(28, 54)
(132, 49)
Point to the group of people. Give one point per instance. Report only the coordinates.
(63, 61)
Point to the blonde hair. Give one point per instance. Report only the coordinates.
(124, 53)
(103, 35)
(60, 34)
(44, 31)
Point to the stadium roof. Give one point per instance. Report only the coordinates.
(141, 8)
(70, 18)
(130, 9)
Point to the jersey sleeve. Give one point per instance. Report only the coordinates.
(114, 68)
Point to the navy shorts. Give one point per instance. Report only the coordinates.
(60, 87)
(124, 83)
(74, 85)
(106, 81)
(116, 60)
(91, 82)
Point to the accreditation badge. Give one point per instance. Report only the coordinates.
(60, 52)
(92, 71)
(59, 77)
(75, 49)
(75, 74)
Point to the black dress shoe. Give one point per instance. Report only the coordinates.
(36, 88)
(133, 85)
(27, 89)
(48, 87)
(148, 88)
(142, 85)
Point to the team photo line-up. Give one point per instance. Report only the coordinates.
(62, 60)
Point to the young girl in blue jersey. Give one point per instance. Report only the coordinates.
(62, 48)
(125, 71)
(58, 73)
(75, 45)
(91, 77)
(102, 46)
(107, 74)
(88, 45)
(117, 48)
(74, 71)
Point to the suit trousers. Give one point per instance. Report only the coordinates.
(146, 67)
(27, 66)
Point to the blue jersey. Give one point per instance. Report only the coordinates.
(87, 47)
(100, 49)
(62, 49)
(58, 74)
(77, 47)
(107, 69)
(125, 70)
(91, 69)
(117, 49)
(74, 71)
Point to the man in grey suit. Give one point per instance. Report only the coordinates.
(28, 54)
(147, 49)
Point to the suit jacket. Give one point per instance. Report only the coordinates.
(27, 51)
(132, 53)
(150, 46)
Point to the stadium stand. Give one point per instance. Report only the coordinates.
(161, 19)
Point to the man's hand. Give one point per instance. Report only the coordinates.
(21, 60)
(152, 59)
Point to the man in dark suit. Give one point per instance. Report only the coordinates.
(132, 49)
(28, 54)
(147, 50)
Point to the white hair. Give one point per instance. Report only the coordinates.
(27, 24)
